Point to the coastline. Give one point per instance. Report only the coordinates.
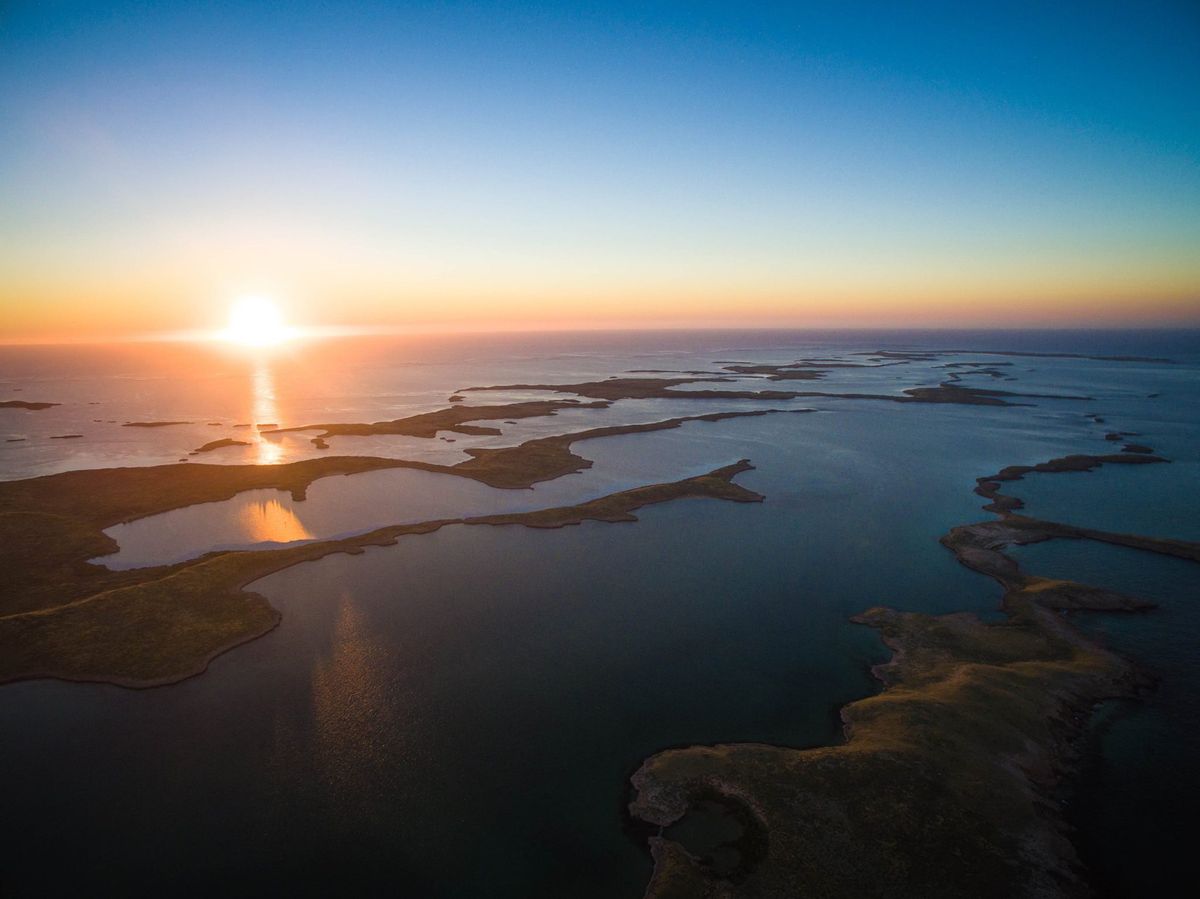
(166, 624)
(994, 707)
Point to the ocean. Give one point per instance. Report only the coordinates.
(459, 714)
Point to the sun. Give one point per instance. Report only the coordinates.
(256, 321)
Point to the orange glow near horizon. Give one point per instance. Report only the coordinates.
(821, 282)
(156, 166)
(855, 303)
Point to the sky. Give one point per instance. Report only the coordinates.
(475, 166)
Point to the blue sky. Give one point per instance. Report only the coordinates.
(512, 151)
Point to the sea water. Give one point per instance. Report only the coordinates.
(458, 715)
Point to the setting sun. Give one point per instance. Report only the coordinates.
(256, 321)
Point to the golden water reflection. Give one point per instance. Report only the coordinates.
(272, 521)
(354, 714)
(265, 411)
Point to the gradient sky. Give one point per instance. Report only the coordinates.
(478, 165)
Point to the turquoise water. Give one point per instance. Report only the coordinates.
(458, 715)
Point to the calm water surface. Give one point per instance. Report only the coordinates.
(458, 715)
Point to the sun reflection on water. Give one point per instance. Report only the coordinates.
(269, 451)
(272, 521)
(354, 714)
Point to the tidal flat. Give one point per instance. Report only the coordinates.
(373, 702)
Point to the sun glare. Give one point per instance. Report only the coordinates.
(256, 321)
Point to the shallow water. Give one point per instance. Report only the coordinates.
(458, 715)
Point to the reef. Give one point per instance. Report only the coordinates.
(153, 424)
(941, 788)
(154, 626)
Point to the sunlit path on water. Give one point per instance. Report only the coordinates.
(265, 413)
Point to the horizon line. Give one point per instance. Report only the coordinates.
(316, 333)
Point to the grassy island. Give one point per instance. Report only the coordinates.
(61, 616)
(614, 389)
(23, 404)
(453, 418)
(219, 444)
(940, 789)
(153, 626)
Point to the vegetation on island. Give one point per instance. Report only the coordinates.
(23, 404)
(62, 616)
(941, 788)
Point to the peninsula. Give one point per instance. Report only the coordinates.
(939, 789)
(63, 617)
(155, 626)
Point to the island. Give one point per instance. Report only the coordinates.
(940, 789)
(219, 444)
(23, 404)
(454, 418)
(63, 617)
(155, 626)
(614, 389)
